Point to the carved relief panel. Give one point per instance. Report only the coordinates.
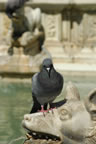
(75, 29)
(79, 27)
(52, 25)
(72, 26)
(66, 26)
(90, 29)
(85, 30)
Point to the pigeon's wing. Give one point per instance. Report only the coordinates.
(36, 105)
(34, 82)
(36, 89)
(35, 94)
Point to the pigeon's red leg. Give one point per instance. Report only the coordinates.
(42, 110)
(51, 108)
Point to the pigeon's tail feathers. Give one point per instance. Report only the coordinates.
(36, 105)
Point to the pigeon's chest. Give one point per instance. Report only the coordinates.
(49, 85)
(45, 85)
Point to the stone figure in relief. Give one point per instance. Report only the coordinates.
(26, 30)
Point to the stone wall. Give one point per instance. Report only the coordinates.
(70, 32)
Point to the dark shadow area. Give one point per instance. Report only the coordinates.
(58, 104)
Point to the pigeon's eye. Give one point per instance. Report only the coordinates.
(51, 66)
(44, 66)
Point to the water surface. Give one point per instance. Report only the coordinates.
(16, 100)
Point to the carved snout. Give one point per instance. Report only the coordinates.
(27, 117)
(26, 121)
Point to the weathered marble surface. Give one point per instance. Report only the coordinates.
(21, 64)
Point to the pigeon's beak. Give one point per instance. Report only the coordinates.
(48, 70)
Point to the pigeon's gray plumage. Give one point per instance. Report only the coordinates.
(13, 5)
(46, 85)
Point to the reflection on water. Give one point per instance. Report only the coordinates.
(16, 100)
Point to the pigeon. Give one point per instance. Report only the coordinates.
(13, 5)
(46, 86)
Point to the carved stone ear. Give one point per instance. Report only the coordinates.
(91, 104)
(72, 92)
(92, 96)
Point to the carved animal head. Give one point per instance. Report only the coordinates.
(74, 122)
